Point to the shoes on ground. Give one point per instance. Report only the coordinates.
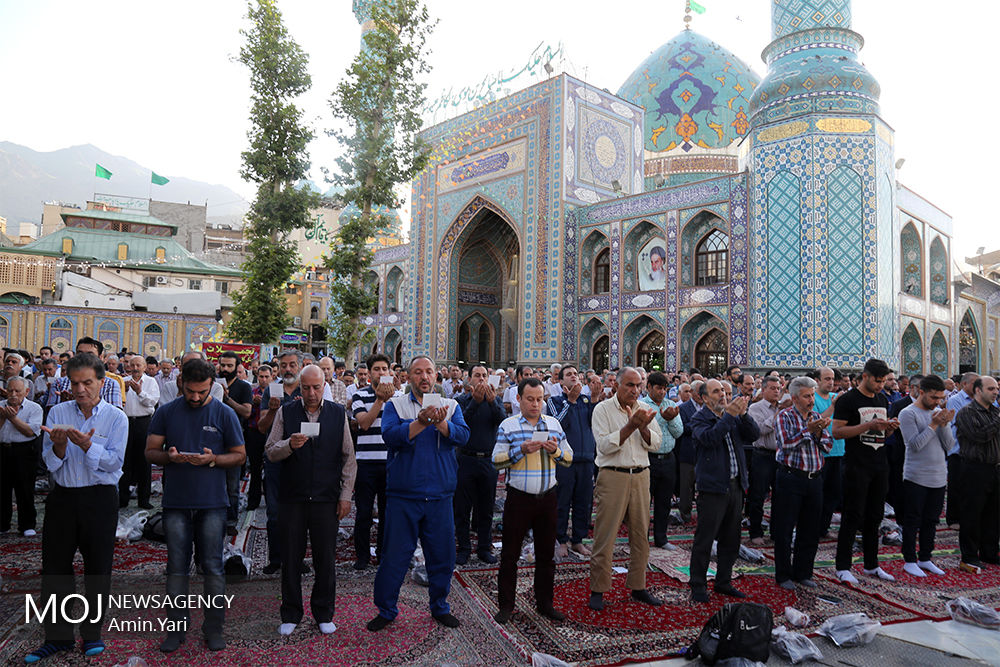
(215, 642)
(581, 549)
(447, 620)
(699, 595)
(503, 616)
(231, 531)
(596, 601)
(788, 585)
(271, 567)
(363, 565)
(487, 557)
(461, 558)
(808, 583)
(286, 629)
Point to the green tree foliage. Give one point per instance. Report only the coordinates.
(276, 160)
(378, 100)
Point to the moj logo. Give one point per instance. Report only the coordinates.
(63, 610)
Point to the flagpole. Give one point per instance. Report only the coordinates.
(150, 185)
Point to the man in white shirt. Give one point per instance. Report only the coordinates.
(20, 424)
(552, 386)
(169, 390)
(510, 402)
(142, 393)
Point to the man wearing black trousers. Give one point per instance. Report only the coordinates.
(83, 448)
(477, 478)
(721, 431)
(317, 480)
(978, 426)
(141, 396)
(861, 418)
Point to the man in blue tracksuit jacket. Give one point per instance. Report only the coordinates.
(420, 479)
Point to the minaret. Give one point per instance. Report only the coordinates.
(363, 12)
(822, 172)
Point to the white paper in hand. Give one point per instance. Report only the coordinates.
(310, 429)
(494, 380)
(432, 400)
(385, 379)
(277, 389)
(539, 436)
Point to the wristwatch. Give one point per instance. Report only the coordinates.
(211, 464)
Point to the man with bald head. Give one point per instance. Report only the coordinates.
(317, 479)
(979, 435)
(625, 432)
(20, 424)
(337, 388)
(721, 433)
(962, 397)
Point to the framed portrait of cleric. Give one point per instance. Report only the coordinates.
(652, 272)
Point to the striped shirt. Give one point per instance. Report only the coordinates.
(535, 472)
(111, 391)
(99, 465)
(797, 447)
(370, 444)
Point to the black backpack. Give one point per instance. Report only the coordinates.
(738, 630)
(153, 530)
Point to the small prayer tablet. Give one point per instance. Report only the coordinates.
(607, 391)
(539, 436)
(432, 400)
(386, 379)
(277, 389)
(494, 380)
(310, 429)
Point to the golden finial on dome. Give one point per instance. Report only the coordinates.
(687, 14)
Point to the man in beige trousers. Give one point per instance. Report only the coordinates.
(625, 433)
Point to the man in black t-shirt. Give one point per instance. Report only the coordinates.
(860, 417)
(238, 394)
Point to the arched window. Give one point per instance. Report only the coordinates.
(711, 354)
(109, 334)
(649, 353)
(314, 313)
(938, 266)
(602, 272)
(912, 256)
(712, 259)
(393, 283)
(60, 335)
(4, 331)
(464, 336)
(599, 358)
(485, 343)
(153, 329)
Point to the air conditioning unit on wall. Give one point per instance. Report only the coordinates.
(161, 280)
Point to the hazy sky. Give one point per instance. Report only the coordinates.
(156, 81)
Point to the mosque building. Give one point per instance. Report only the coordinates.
(700, 217)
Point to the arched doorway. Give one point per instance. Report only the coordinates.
(601, 354)
(483, 273)
(968, 344)
(913, 351)
(711, 353)
(485, 343)
(649, 352)
(393, 346)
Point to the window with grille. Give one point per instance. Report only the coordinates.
(194, 284)
(712, 259)
(223, 286)
(602, 272)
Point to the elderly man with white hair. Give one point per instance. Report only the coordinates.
(20, 424)
(552, 386)
(802, 440)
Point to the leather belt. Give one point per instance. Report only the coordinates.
(630, 471)
(470, 452)
(802, 473)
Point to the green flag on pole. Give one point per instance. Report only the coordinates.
(696, 8)
(159, 180)
(101, 172)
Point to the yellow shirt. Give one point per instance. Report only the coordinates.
(609, 418)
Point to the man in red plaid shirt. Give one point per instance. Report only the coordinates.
(798, 488)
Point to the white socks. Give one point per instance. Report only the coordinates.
(913, 569)
(327, 628)
(930, 567)
(881, 574)
(286, 629)
(846, 577)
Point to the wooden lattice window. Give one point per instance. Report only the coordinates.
(712, 259)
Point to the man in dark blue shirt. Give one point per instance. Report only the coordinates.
(195, 438)
(477, 478)
(575, 482)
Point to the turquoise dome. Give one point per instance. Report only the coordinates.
(695, 92)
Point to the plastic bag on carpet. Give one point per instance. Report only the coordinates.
(751, 555)
(850, 629)
(546, 660)
(134, 661)
(418, 575)
(969, 611)
(235, 562)
(130, 527)
(740, 662)
(793, 646)
(796, 618)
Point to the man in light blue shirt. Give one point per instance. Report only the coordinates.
(961, 398)
(83, 448)
(662, 468)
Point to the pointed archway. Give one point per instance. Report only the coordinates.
(968, 344)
